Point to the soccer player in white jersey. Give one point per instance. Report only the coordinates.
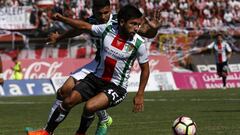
(106, 87)
(223, 53)
(101, 14)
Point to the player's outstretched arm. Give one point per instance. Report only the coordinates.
(79, 24)
(138, 100)
(55, 37)
(150, 27)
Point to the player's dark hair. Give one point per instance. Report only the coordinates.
(219, 34)
(98, 4)
(129, 12)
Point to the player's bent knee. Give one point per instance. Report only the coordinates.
(66, 89)
(68, 104)
(90, 107)
(71, 101)
(59, 95)
(64, 92)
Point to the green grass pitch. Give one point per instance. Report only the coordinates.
(216, 112)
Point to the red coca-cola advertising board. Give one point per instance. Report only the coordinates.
(50, 68)
(44, 68)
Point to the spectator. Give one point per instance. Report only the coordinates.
(228, 18)
(13, 3)
(216, 21)
(17, 69)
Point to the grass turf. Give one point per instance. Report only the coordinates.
(216, 112)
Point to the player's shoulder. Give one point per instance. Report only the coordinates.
(137, 37)
(225, 42)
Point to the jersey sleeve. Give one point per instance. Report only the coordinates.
(210, 46)
(142, 54)
(228, 48)
(98, 30)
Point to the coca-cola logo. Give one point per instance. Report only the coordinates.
(39, 70)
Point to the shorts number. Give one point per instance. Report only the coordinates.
(113, 93)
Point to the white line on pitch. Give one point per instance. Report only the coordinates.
(20, 103)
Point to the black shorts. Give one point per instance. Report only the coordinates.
(91, 85)
(222, 68)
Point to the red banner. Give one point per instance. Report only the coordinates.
(49, 68)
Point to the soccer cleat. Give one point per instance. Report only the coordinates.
(38, 132)
(102, 127)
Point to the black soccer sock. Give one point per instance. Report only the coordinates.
(86, 121)
(57, 117)
(224, 80)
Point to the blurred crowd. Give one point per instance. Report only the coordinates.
(187, 14)
(196, 14)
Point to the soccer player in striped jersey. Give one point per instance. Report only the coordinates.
(223, 52)
(101, 14)
(106, 87)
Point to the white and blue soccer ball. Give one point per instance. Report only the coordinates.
(184, 125)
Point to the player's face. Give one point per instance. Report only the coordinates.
(102, 14)
(219, 39)
(131, 26)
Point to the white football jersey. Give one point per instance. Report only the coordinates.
(220, 50)
(82, 72)
(118, 55)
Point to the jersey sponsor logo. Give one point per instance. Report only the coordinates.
(118, 43)
(129, 47)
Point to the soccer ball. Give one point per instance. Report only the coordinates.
(184, 126)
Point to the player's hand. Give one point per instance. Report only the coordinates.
(138, 102)
(53, 38)
(155, 21)
(57, 16)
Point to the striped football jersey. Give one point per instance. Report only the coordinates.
(220, 50)
(118, 55)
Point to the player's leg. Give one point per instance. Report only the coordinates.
(98, 102)
(59, 114)
(115, 95)
(222, 73)
(105, 121)
(62, 93)
(225, 71)
(62, 111)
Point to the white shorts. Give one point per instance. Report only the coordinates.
(82, 72)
